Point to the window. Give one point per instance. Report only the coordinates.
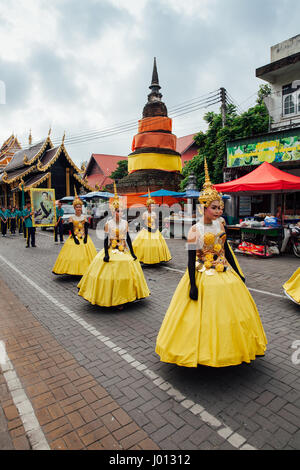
(289, 105)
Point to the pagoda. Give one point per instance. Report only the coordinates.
(154, 162)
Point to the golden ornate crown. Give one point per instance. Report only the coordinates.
(149, 200)
(116, 202)
(208, 193)
(77, 201)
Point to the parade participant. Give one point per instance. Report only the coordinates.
(212, 319)
(79, 250)
(59, 228)
(13, 216)
(7, 215)
(19, 220)
(115, 276)
(3, 221)
(292, 287)
(150, 246)
(30, 229)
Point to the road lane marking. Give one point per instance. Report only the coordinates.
(30, 422)
(235, 439)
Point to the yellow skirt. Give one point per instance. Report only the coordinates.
(151, 248)
(74, 259)
(292, 287)
(117, 282)
(222, 328)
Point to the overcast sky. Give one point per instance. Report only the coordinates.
(81, 66)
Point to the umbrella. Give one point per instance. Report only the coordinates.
(103, 194)
(163, 193)
(70, 198)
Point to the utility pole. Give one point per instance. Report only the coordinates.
(223, 105)
(223, 112)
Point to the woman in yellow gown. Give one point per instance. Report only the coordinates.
(150, 246)
(212, 319)
(78, 250)
(115, 276)
(292, 287)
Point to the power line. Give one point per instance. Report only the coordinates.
(179, 110)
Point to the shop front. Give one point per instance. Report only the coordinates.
(267, 201)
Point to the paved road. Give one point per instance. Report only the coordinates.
(253, 405)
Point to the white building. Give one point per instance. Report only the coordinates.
(283, 74)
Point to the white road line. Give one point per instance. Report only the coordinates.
(249, 288)
(30, 422)
(235, 439)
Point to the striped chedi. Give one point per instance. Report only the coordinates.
(154, 161)
(154, 147)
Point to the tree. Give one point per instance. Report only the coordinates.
(121, 171)
(212, 143)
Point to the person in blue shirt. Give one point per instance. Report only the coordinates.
(7, 214)
(27, 215)
(3, 221)
(19, 221)
(13, 218)
(59, 228)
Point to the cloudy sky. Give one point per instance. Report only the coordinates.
(85, 66)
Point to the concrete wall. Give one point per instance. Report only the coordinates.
(285, 48)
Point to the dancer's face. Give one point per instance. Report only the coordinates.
(213, 211)
(78, 210)
(118, 214)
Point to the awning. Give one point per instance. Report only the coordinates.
(264, 179)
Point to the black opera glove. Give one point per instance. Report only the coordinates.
(86, 231)
(231, 261)
(128, 240)
(151, 230)
(106, 257)
(192, 269)
(73, 234)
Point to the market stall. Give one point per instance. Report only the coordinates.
(262, 234)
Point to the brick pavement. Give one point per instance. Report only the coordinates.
(259, 402)
(73, 410)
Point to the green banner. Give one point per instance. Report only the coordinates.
(279, 150)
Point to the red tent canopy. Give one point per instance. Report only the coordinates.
(264, 178)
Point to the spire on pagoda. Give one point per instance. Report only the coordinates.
(154, 106)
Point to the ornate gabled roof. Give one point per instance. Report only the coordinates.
(83, 182)
(28, 156)
(17, 174)
(9, 147)
(36, 180)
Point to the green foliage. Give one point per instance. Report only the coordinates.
(212, 143)
(121, 171)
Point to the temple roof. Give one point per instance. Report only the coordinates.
(8, 149)
(27, 156)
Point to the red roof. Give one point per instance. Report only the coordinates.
(107, 164)
(264, 178)
(183, 143)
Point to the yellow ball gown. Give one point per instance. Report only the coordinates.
(292, 287)
(118, 281)
(151, 247)
(74, 259)
(222, 328)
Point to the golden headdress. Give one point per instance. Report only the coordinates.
(115, 203)
(208, 193)
(149, 200)
(77, 201)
